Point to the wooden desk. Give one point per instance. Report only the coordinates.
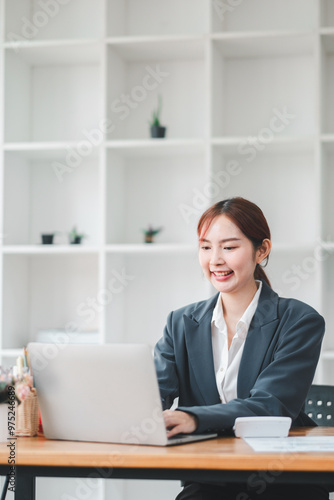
(221, 459)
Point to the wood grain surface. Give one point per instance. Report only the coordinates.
(223, 453)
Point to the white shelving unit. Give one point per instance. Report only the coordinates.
(248, 101)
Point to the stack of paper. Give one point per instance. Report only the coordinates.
(292, 444)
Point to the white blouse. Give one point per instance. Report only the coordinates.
(227, 361)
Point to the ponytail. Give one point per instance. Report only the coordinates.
(259, 274)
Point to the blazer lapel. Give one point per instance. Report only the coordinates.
(199, 347)
(260, 334)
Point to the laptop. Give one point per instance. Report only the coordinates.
(105, 393)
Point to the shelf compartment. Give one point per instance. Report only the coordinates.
(40, 91)
(154, 190)
(49, 292)
(278, 181)
(133, 96)
(259, 15)
(261, 90)
(67, 201)
(33, 20)
(164, 283)
(157, 17)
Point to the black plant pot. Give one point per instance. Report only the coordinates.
(76, 240)
(149, 238)
(47, 239)
(158, 132)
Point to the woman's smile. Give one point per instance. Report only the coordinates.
(222, 275)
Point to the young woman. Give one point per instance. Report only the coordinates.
(244, 352)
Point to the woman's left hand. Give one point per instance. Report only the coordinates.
(177, 422)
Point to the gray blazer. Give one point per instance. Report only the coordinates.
(280, 356)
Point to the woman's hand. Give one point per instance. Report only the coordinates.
(177, 422)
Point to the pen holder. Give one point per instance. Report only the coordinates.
(27, 416)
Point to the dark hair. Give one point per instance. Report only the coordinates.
(248, 217)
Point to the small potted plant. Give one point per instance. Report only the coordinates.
(157, 130)
(150, 232)
(47, 238)
(75, 237)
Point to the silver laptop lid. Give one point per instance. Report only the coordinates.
(105, 393)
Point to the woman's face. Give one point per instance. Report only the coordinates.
(227, 257)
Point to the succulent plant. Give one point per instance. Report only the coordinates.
(155, 122)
